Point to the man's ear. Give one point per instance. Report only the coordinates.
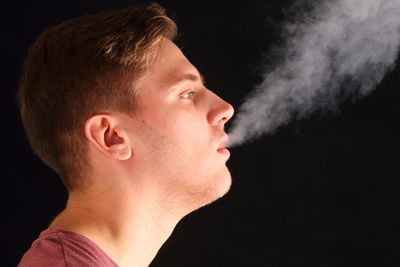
(110, 140)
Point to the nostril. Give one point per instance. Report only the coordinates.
(224, 119)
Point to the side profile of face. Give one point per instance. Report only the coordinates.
(177, 131)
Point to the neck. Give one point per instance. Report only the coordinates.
(130, 227)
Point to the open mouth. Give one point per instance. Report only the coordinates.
(222, 149)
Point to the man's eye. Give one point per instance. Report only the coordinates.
(187, 95)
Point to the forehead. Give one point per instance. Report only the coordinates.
(172, 66)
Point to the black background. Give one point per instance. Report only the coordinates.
(320, 192)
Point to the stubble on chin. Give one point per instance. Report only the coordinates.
(211, 192)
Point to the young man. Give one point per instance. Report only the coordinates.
(114, 107)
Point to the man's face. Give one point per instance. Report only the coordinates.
(178, 131)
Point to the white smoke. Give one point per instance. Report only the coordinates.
(333, 49)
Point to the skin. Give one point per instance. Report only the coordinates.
(154, 167)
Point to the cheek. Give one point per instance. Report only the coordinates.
(184, 144)
(187, 130)
(176, 135)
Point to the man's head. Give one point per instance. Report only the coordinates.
(151, 116)
(81, 67)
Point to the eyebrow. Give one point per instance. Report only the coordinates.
(190, 77)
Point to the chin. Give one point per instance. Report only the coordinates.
(219, 188)
(209, 190)
(225, 185)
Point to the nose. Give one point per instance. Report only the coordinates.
(220, 111)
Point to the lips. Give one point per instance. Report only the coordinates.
(222, 144)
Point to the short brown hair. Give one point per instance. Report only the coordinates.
(82, 67)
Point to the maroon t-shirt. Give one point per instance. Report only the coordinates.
(56, 247)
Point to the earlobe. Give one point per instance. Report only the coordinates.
(123, 151)
(101, 132)
(118, 144)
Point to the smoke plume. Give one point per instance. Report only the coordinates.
(332, 50)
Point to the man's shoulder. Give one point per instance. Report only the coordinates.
(47, 250)
(57, 247)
